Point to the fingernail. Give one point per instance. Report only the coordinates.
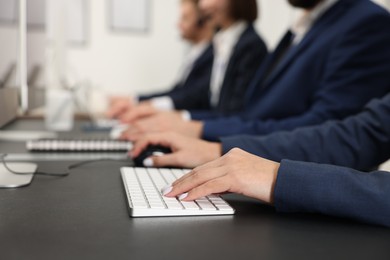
(183, 196)
(148, 162)
(166, 190)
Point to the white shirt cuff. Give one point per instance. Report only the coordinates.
(163, 103)
(186, 115)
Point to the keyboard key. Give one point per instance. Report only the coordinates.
(157, 205)
(174, 206)
(224, 208)
(190, 205)
(204, 205)
(140, 205)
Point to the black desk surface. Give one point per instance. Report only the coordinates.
(84, 216)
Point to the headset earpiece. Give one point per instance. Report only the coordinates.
(201, 21)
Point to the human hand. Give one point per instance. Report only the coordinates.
(163, 122)
(118, 106)
(142, 110)
(186, 152)
(237, 172)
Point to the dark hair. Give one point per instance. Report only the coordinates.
(244, 10)
(306, 4)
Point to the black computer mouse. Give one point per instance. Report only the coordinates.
(148, 152)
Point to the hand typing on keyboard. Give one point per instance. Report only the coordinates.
(237, 172)
(143, 191)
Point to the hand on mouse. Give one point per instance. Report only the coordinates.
(238, 172)
(186, 152)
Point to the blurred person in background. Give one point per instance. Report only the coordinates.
(238, 52)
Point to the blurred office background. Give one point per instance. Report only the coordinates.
(126, 61)
(108, 57)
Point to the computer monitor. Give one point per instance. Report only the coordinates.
(23, 55)
(9, 105)
(14, 99)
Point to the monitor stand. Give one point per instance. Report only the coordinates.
(11, 180)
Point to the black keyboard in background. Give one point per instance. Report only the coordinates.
(63, 145)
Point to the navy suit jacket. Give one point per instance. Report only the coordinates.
(360, 142)
(341, 64)
(198, 77)
(247, 56)
(334, 191)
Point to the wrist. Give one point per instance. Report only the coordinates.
(214, 151)
(274, 170)
(195, 129)
(134, 100)
(263, 188)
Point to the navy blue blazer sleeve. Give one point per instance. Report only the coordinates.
(182, 96)
(334, 191)
(354, 66)
(361, 142)
(195, 97)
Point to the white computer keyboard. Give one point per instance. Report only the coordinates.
(143, 189)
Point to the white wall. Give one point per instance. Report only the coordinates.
(141, 63)
(131, 61)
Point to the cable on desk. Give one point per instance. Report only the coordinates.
(71, 167)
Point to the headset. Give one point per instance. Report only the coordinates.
(201, 21)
